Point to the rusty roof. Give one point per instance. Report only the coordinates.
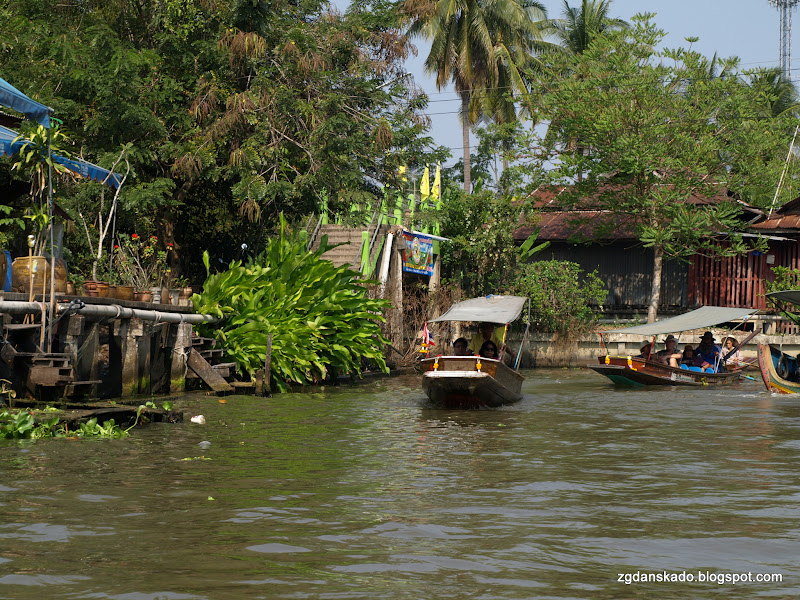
(546, 197)
(578, 226)
(778, 222)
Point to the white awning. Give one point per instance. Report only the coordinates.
(706, 316)
(489, 309)
(790, 296)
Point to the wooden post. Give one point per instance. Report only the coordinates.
(396, 292)
(129, 331)
(144, 354)
(436, 276)
(268, 367)
(181, 346)
(87, 364)
(72, 336)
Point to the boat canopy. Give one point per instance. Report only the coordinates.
(701, 318)
(488, 309)
(790, 296)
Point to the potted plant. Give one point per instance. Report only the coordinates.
(140, 263)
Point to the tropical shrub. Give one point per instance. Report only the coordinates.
(321, 319)
(561, 295)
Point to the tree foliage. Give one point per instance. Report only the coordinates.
(651, 135)
(561, 294)
(235, 110)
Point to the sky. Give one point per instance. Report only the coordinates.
(748, 29)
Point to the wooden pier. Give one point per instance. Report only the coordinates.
(109, 348)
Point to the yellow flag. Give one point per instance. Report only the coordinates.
(437, 183)
(424, 185)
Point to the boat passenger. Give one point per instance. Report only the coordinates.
(461, 347)
(488, 350)
(644, 351)
(670, 355)
(486, 332)
(734, 356)
(707, 352)
(688, 355)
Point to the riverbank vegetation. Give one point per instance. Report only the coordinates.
(237, 119)
(316, 321)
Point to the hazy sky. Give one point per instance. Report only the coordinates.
(748, 29)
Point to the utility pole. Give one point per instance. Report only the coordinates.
(785, 28)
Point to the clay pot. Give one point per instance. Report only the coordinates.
(70, 288)
(186, 293)
(143, 296)
(124, 292)
(102, 289)
(39, 266)
(90, 285)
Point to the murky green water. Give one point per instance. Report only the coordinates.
(362, 492)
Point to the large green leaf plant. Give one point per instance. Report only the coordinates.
(322, 321)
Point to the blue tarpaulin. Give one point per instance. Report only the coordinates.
(83, 168)
(13, 98)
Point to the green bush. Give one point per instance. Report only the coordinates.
(561, 295)
(321, 319)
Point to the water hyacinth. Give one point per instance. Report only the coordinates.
(321, 319)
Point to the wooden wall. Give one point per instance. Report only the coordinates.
(738, 280)
(627, 271)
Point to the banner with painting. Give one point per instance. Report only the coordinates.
(418, 254)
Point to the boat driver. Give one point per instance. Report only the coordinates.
(486, 332)
(461, 347)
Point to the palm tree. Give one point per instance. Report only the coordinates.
(579, 26)
(780, 93)
(479, 45)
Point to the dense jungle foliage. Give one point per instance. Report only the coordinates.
(229, 112)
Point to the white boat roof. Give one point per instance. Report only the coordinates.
(707, 316)
(791, 296)
(487, 309)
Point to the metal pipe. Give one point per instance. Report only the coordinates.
(113, 310)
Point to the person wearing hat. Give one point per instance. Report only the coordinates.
(707, 352)
(670, 355)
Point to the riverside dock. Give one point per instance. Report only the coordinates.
(96, 347)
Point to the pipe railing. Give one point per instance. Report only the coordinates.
(106, 311)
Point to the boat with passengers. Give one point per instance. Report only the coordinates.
(629, 370)
(464, 382)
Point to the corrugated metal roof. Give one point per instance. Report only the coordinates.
(784, 221)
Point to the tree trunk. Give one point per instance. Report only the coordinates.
(465, 134)
(655, 290)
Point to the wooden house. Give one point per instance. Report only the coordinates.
(603, 242)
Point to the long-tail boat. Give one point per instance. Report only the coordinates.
(637, 371)
(464, 382)
(780, 370)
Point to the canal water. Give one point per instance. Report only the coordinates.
(363, 492)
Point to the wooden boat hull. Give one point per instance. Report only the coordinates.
(769, 363)
(628, 371)
(457, 382)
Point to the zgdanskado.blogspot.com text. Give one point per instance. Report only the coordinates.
(719, 578)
